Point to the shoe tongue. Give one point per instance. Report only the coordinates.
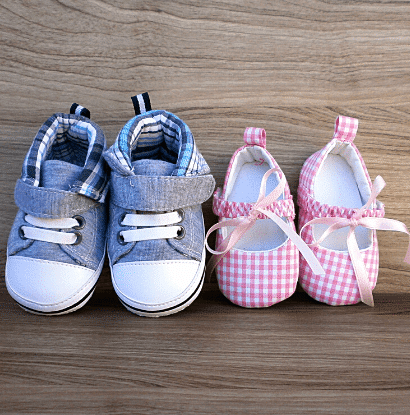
(152, 167)
(56, 174)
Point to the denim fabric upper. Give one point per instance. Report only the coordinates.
(165, 173)
(64, 186)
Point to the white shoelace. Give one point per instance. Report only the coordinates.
(153, 226)
(43, 230)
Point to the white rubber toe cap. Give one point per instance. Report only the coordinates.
(156, 285)
(47, 286)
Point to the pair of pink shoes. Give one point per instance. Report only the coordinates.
(257, 248)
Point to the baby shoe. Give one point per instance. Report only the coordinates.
(256, 256)
(338, 218)
(156, 230)
(56, 246)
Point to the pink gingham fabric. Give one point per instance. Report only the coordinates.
(227, 209)
(339, 285)
(345, 128)
(255, 137)
(256, 278)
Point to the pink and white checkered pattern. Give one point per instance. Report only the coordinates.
(252, 137)
(255, 137)
(339, 285)
(311, 208)
(227, 209)
(345, 128)
(312, 164)
(256, 278)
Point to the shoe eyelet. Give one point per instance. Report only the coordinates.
(121, 219)
(180, 233)
(79, 237)
(120, 239)
(181, 214)
(21, 233)
(81, 222)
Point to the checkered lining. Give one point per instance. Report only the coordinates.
(74, 139)
(157, 135)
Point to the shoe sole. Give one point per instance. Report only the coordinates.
(192, 295)
(168, 311)
(73, 307)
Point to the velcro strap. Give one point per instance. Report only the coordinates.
(227, 209)
(141, 103)
(160, 193)
(50, 203)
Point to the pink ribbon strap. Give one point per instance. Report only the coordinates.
(243, 224)
(352, 246)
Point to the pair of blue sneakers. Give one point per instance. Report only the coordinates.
(140, 199)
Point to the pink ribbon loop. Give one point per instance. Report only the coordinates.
(243, 224)
(352, 246)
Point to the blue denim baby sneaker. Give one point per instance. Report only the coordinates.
(156, 230)
(56, 246)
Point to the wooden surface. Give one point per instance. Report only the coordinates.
(298, 357)
(289, 67)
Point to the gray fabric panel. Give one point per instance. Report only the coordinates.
(50, 203)
(162, 193)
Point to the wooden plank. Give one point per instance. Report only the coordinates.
(297, 355)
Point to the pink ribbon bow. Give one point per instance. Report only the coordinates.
(368, 222)
(243, 224)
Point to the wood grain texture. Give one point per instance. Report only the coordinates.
(288, 66)
(298, 357)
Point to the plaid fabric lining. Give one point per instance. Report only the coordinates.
(74, 139)
(157, 135)
(339, 285)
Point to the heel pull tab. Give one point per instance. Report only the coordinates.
(255, 137)
(345, 128)
(141, 103)
(79, 110)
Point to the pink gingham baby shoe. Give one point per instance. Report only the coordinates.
(338, 218)
(256, 258)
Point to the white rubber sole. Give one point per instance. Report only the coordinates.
(75, 304)
(186, 298)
